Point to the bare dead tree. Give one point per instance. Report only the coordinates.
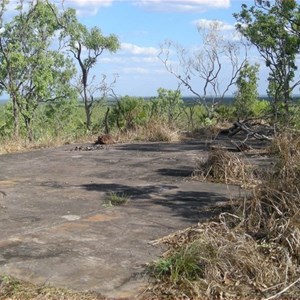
(97, 91)
(209, 72)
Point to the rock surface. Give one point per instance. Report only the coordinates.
(56, 228)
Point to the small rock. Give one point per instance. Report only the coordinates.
(105, 139)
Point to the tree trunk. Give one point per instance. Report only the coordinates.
(85, 96)
(16, 117)
(106, 121)
(28, 124)
(287, 98)
(87, 111)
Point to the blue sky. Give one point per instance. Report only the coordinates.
(142, 26)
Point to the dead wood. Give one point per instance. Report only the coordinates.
(251, 128)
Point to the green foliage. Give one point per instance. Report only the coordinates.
(273, 29)
(116, 199)
(34, 73)
(185, 264)
(260, 107)
(169, 105)
(30, 72)
(247, 93)
(78, 38)
(167, 110)
(294, 121)
(58, 119)
(128, 113)
(225, 112)
(6, 120)
(196, 115)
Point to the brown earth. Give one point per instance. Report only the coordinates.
(57, 230)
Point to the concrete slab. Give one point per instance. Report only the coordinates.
(56, 228)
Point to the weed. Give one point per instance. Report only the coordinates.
(116, 199)
(182, 265)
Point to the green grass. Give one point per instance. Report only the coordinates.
(116, 199)
(182, 265)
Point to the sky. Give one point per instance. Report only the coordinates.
(142, 26)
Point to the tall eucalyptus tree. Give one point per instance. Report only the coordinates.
(32, 71)
(86, 46)
(270, 27)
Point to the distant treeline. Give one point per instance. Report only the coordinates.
(192, 100)
(187, 99)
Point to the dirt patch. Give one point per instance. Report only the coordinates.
(54, 208)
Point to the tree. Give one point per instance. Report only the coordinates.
(31, 72)
(269, 27)
(86, 47)
(209, 72)
(247, 93)
(171, 104)
(128, 113)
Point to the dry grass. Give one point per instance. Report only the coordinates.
(224, 167)
(286, 149)
(252, 252)
(229, 264)
(21, 145)
(154, 131)
(160, 132)
(275, 206)
(13, 289)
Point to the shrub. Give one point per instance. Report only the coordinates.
(116, 199)
(128, 113)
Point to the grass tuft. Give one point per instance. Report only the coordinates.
(116, 199)
(154, 131)
(14, 289)
(224, 167)
(222, 263)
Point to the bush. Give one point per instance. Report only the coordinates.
(251, 252)
(260, 107)
(225, 112)
(128, 113)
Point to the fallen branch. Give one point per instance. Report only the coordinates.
(240, 126)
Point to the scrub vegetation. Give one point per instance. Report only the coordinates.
(251, 251)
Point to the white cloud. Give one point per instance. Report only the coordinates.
(130, 59)
(210, 24)
(182, 5)
(143, 71)
(87, 7)
(136, 70)
(83, 7)
(137, 50)
(92, 6)
(97, 3)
